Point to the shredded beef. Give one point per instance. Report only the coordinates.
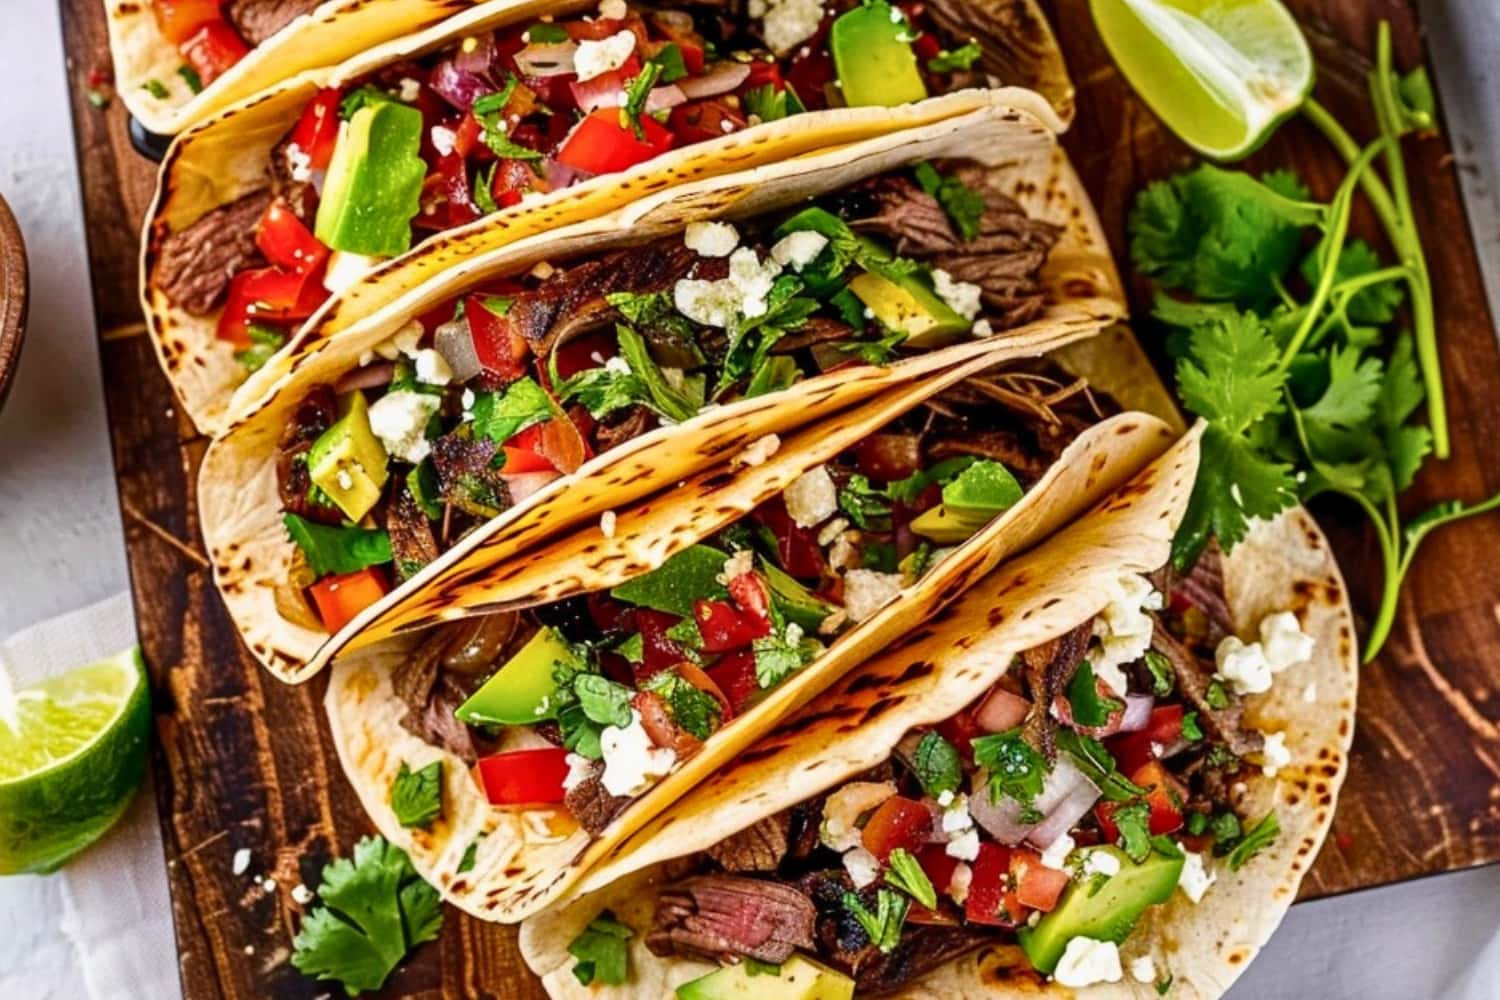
(816, 330)
(412, 542)
(314, 414)
(922, 949)
(1005, 447)
(257, 20)
(621, 427)
(1224, 725)
(1014, 40)
(1203, 587)
(431, 697)
(728, 916)
(757, 848)
(466, 478)
(591, 804)
(1049, 669)
(195, 264)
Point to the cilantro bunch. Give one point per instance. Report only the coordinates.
(1286, 338)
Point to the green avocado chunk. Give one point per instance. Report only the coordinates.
(348, 462)
(903, 301)
(522, 691)
(795, 601)
(1106, 914)
(981, 491)
(799, 979)
(872, 53)
(374, 182)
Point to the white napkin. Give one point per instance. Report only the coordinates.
(115, 910)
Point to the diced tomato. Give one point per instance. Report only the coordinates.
(595, 30)
(601, 145)
(317, 131)
(1132, 751)
(735, 676)
(658, 651)
(559, 442)
(606, 89)
(961, 729)
(695, 676)
(286, 242)
(608, 614)
(512, 180)
(179, 19)
(213, 49)
(926, 46)
(500, 347)
(524, 777)
(519, 460)
(888, 457)
(688, 41)
(898, 822)
(340, 598)
(700, 121)
(938, 865)
(1166, 797)
(579, 354)
(763, 72)
(991, 899)
(1037, 886)
(270, 294)
(797, 548)
(726, 628)
(751, 594)
(1001, 710)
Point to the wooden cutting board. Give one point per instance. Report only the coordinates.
(243, 762)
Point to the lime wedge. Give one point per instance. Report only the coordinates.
(1222, 74)
(72, 752)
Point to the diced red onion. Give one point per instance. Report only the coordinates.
(1001, 711)
(1000, 817)
(523, 484)
(1066, 798)
(723, 78)
(456, 344)
(560, 175)
(552, 59)
(481, 58)
(662, 98)
(459, 87)
(370, 376)
(1137, 713)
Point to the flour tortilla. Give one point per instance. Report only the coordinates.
(241, 512)
(1283, 565)
(528, 858)
(222, 158)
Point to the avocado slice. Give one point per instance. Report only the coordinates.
(795, 601)
(799, 979)
(874, 58)
(374, 182)
(521, 692)
(1106, 914)
(904, 302)
(946, 526)
(981, 491)
(348, 462)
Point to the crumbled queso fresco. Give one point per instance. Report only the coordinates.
(812, 497)
(1123, 629)
(1086, 962)
(1251, 668)
(711, 239)
(595, 58)
(961, 296)
(632, 762)
(787, 23)
(399, 419)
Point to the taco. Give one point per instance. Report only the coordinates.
(474, 129)
(531, 390)
(1050, 788)
(594, 681)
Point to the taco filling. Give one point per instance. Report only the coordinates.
(589, 702)
(1093, 781)
(492, 396)
(213, 35)
(443, 139)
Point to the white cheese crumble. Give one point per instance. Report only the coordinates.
(964, 847)
(844, 807)
(959, 882)
(431, 367)
(595, 58)
(711, 239)
(443, 139)
(1143, 969)
(1056, 854)
(982, 329)
(270, 884)
(1285, 643)
(1250, 668)
(787, 23)
(399, 420)
(403, 342)
(607, 524)
(1098, 862)
(301, 894)
(866, 591)
(344, 269)
(812, 498)
(613, 10)
(958, 824)
(759, 451)
(1086, 962)
(1195, 878)
(632, 763)
(579, 768)
(298, 163)
(742, 292)
(409, 90)
(241, 861)
(832, 530)
(1124, 629)
(862, 866)
(798, 249)
(618, 365)
(961, 296)
(1274, 754)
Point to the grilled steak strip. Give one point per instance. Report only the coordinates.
(412, 542)
(757, 848)
(195, 264)
(1193, 677)
(1048, 670)
(729, 916)
(591, 805)
(257, 20)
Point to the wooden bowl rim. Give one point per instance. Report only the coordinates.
(13, 295)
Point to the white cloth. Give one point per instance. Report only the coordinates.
(116, 915)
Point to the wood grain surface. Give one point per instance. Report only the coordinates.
(242, 762)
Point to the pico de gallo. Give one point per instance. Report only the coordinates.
(586, 703)
(491, 119)
(481, 402)
(213, 35)
(1095, 780)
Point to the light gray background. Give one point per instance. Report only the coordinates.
(61, 537)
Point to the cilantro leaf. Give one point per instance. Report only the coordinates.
(580, 734)
(499, 416)
(1133, 821)
(907, 875)
(1163, 677)
(673, 402)
(1234, 484)
(884, 925)
(936, 764)
(1373, 304)
(471, 853)
(1230, 374)
(1354, 385)
(953, 60)
(489, 111)
(1088, 706)
(863, 502)
(691, 708)
(333, 549)
(375, 910)
(602, 953)
(1256, 839)
(770, 104)
(777, 658)
(637, 91)
(604, 701)
(1191, 730)
(1017, 771)
(964, 205)
(417, 796)
(1098, 764)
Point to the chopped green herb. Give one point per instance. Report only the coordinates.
(884, 925)
(964, 205)
(1163, 677)
(1088, 706)
(421, 483)
(499, 416)
(864, 502)
(265, 341)
(602, 953)
(484, 195)
(580, 734)
(155, 89)
(755, 967)
(637, 92)
(674, 586)
(936, 764)
(417, 796)
(1255, 840)
(471, 855)
(770, 104)
(604, 701)
(1197, 822)
(191, 78)
(1225, 828)
(1191, 731)
(338, 550)
(777, 659)
(692, 709)
(633, 648)
(1017, 771)
(366, 96)
(1216, 696)
(1133, 820)
(907, 490)
(1164, 986)
(953, 60)
(907, 875)
(546, 33)
(1099, 764)
(489, 111)
(1166, 846)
